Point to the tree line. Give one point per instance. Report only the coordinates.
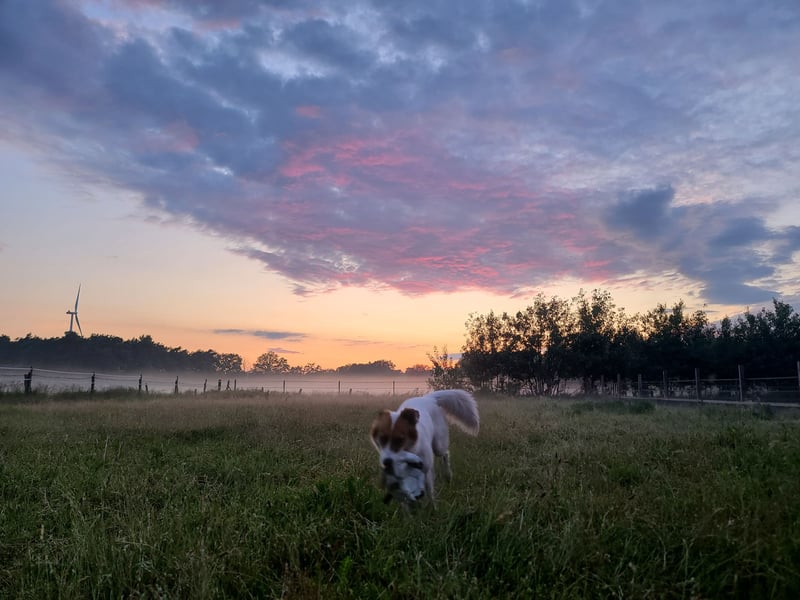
(111, 353)
(588, 338)
(271, 363)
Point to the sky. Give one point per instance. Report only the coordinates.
(344, 182)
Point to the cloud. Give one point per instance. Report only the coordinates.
(726, 247)
(279, 350)
(268, 335)
(430, 147)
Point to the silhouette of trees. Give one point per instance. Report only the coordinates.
(589, 338)
(111, 353)
(378, 367)
(418, 370)
(271, 363)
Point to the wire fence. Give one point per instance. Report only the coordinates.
(45, 381)
(740, 389)
(770, 390)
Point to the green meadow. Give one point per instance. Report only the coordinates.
(276, 497)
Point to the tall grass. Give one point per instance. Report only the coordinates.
(216, 496)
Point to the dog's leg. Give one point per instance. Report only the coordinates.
(448, 473)
(429, 481)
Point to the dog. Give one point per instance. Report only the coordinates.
(419, 426)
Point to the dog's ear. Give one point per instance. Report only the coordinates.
(381, 428)
(410, 415)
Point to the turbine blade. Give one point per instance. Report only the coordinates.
(78, 323)
(77, 297)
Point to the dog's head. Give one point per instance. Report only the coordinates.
(393, 433)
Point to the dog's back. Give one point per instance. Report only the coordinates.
(435, 410)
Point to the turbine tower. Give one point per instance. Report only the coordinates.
(73, 315)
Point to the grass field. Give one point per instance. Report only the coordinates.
(243, 496)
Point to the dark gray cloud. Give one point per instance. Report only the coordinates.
(726, 247)
(260, 333)
(433, 146)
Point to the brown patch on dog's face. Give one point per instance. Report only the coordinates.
(402, 436)
(381, 429)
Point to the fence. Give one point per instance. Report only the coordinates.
(740, 389)
(29, 380)
(774, 390)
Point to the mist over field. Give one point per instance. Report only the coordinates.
(48, 380)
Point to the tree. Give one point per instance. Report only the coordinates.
(271, 363)
(536, 344)
(592, 342)
(377, 367)
(480, 357)
(418, 369)
(447, 373)
(228, 363)
(676, 342)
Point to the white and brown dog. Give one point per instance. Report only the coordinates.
(419, 426)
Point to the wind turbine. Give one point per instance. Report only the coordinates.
(73, 314)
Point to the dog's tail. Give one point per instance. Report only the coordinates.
(460, 408)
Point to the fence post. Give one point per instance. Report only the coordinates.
(205, 384)
(219, 384)
(664, 384)
(741, 383)
(339, 387)
(392, 387)
(140, 383)
(697, 385)
(176, 385)
(28, 379)
(91, 389)
(284, 386)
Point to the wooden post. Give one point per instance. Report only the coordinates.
(284, 386)
(140, 383)
(234, 384)
(205, 385)
(339, 390)
(741, 383)
(697, 385)
(91, 389)
(176, 385)
(392, 387)
(28, 380)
